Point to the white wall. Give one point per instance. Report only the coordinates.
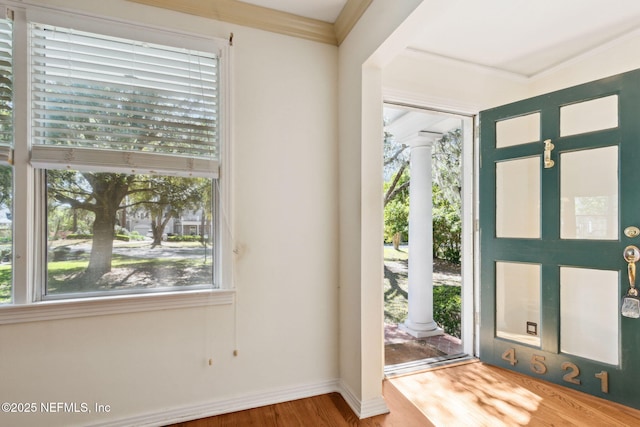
(285, 194)
(617, 57)
(361, 258)
(436, 83)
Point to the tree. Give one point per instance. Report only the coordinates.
(396, 210)
(169, 196)
(6, 186)
(102, 194)
(105, 194)
(446, 175)
(447, 165)
(396, 161)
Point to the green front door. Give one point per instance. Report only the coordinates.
(559, 197)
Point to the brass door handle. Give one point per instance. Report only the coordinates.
(548, 148)
(632, 255)
(631, 302)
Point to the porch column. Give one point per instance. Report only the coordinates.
(420, 321)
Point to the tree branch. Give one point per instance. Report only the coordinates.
(396, 178)
(389, 196)
(395, 155)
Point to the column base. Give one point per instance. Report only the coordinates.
(421, 330)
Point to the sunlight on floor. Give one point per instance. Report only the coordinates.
(472, 398)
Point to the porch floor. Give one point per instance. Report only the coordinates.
(402, 348)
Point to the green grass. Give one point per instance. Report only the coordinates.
(127, 272)
(5, 283)
(393, 255)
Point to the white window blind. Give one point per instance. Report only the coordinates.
(6, 90)
(108, 104)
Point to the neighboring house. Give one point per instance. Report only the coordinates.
(302, 313)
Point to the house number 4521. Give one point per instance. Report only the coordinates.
(538, 366)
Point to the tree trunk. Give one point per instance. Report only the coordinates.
(396, 241)
(157, 227)
(102, 249)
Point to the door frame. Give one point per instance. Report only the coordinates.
(470, 242)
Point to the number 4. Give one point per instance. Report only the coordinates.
(510, 356)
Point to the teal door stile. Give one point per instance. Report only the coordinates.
(545, 359)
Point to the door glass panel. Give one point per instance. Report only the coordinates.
(519, 130)
(589, 313)
(589, 116)
(589, 194)
(518, 198)
(518, 302)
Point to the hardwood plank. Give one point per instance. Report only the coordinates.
(329, 410)
(470, 394)
(483, 395)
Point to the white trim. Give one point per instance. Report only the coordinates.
(443, 105)
(97, 160)
(225, 207)
(477, 68)
(120, 28)
(363, 409)
(468, 215)
(106, 305)
(224, 406)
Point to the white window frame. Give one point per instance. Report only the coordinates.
(28, 208)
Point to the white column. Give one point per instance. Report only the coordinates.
(419, 321)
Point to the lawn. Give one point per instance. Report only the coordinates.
(157, 270)
(129, 273)
(446, 291)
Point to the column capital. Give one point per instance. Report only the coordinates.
(423, 139)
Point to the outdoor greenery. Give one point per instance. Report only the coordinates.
(447, 302)
(447, 224)
(447, 227)
(97, 206)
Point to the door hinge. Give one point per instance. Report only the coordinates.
(476, 317)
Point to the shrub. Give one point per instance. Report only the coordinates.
(79, 236)
(134, 235)
(447, 228)
(185, 238)
(447, 305)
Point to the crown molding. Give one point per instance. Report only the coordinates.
(237, 12)
(349, 16)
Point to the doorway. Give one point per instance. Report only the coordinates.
(428, 237)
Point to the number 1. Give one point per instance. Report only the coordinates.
(603, 376)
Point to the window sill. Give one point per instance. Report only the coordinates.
(67, 309)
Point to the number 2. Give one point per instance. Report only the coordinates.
(572, 376)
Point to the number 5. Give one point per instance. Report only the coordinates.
(537, 366)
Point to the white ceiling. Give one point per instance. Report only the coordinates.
(524, 37)
(324, 10)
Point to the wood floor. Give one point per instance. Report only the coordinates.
(479, 395)
(328, 410)
(469, 395)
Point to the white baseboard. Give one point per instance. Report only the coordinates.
(362, 409)
(224, 406)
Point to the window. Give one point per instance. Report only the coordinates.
(122, 153)
(6, 172)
